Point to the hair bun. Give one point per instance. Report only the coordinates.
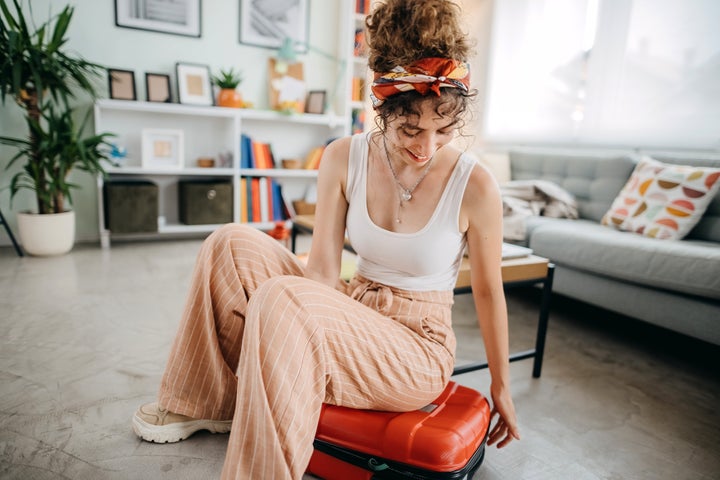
(402, 31)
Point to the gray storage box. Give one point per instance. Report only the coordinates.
(131, 206)
(204, 202)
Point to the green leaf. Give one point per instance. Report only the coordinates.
(42, 78)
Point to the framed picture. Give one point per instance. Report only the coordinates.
(315, 102)
(162, 148)
(194, 85)
(121, 84)
(179, 17)
(267, 23)
(157, 87)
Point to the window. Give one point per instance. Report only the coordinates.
(640, 73)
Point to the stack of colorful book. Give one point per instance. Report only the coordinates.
(362, 6)
(312, 162)
(358, 87)
(261, 200)
(255, 154)
(359, 46)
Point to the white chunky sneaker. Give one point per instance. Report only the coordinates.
(155, 424)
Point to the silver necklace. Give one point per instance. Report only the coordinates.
(405, 193)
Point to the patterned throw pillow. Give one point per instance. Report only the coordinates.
(662, 200)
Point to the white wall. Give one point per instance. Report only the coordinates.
(94, 36)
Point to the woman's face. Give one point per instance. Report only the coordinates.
(415, 139)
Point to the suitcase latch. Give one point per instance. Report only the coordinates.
(375, 466)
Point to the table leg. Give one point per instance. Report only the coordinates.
(543, 321)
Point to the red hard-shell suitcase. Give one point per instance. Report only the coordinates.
(444, 440)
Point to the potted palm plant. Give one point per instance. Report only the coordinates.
(227, 81)
(41, 78)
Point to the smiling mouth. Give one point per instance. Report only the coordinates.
(416, 157)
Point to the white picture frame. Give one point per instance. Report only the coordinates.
(268, 23)
(180, 17)
(163, 148)
(193, 84)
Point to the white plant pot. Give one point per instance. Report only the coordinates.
(47, 234)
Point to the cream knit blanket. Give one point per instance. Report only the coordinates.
(524, 198)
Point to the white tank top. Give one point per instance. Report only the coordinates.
(422, 261)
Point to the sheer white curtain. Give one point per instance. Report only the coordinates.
(640, 73)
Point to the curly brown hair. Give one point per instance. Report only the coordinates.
(399, 32)
(402, 31)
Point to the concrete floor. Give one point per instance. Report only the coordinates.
(85, 338)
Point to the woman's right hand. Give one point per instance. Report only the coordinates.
(505, 429)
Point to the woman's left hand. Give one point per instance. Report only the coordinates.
(505, 429)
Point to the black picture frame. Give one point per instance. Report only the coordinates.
(121, 84)
(157, 87)
(267, 23)
(315, 102)
(175, 18)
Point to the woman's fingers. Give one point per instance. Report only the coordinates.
(500, 432)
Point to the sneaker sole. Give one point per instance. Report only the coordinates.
(175, 432)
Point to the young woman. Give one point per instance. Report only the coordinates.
(264, 340)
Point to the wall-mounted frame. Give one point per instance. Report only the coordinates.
(162, 148)
(176, 17)
(315, 102)
(194, 85)
(121, 84)
(268, 23)
(157, 87)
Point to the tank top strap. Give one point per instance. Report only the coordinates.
(451, 201)
(357, 165)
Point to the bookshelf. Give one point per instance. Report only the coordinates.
(208, 132)
(357, 72)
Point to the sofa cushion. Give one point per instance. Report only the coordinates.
(594, 180)
(688, 266)
(708, 228)
(663, 200)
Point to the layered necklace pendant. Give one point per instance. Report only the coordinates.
(405, 193)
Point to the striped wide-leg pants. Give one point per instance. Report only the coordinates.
(263, 345)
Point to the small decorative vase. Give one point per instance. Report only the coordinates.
(47, 234)
(229, 97)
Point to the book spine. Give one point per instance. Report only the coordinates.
(255, 186)
(259, 155)
(243, 200)
(277, 200)
(246, 153)
(263, 199)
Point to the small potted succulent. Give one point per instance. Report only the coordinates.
(227, 81)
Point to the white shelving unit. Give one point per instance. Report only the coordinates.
(209, 131)
(356, 67)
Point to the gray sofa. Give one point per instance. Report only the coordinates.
(673, 284)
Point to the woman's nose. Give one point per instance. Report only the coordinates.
(425, 146)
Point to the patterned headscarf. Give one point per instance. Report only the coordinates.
(424, 75)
